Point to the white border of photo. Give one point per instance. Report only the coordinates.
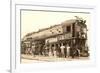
(16, 66)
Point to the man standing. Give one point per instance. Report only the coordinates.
(62, 50)
(68, 50)
(54, 51)
(33, 51)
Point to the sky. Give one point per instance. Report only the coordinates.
(32, 21)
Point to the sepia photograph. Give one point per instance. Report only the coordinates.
(54, 36)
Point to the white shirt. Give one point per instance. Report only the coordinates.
(62, 48)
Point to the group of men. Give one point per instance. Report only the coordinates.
(62, 51)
